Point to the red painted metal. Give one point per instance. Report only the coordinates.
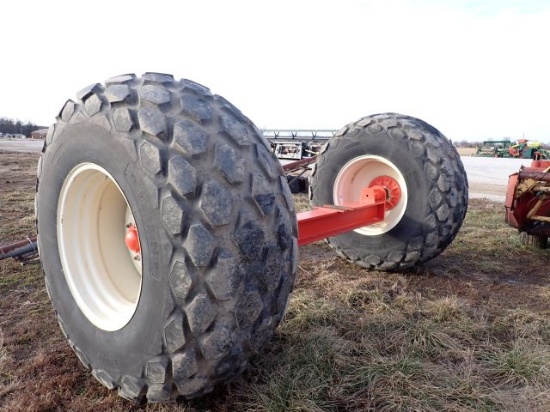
(132, 239)
(536, 174)
(289, 167)
(393, 190)
(17, 245)
(330, 220)
(527, 203)
(540, 164)
(510, 217)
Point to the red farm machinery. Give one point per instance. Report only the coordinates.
(168, 235)
(528, 202)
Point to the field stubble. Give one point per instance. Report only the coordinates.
(468, 331)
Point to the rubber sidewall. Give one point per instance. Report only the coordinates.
(124, 350)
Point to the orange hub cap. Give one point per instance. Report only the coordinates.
(393, 191)
(132, 239)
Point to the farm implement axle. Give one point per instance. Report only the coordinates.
(313, 225)
(169, 235)
(327, 221)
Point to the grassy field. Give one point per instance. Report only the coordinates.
(468, 331)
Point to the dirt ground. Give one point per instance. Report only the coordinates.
(17, 178)
(484, 276)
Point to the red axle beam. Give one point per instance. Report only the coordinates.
(289, 167)
(330, 220)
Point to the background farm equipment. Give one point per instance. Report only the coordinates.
(528, 202)
(525, 149)
(296, 150)
(493, 148)
(521, 149)
(289, 144)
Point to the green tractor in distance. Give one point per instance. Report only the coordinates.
(494, 148)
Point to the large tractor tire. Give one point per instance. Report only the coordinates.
(425, 182)
(167, 235)
(535, 241)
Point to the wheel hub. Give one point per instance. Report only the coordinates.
(393, 191)
(367, 171)
(132, 239)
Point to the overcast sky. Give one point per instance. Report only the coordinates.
(473, 69)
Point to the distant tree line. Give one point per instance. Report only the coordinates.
(9, 126)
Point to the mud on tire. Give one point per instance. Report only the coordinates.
(216, 226)
(434, 189)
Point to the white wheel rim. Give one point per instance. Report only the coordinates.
(104, 277)
(357, 174)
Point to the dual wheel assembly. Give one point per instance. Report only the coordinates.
(168, 235)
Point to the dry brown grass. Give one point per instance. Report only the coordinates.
(468, 331)
(466, 151)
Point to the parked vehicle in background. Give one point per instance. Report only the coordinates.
(521, 149)
(493, 148)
